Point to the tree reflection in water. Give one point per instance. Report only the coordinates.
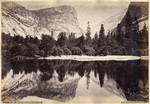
(58, 79)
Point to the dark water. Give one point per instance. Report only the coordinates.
(65, 80)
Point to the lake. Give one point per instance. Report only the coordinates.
(74, 81)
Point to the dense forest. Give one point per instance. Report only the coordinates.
(128, 40)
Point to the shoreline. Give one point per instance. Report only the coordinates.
(84, 58)
(96, 58)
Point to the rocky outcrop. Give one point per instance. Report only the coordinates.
(111, 22)
(16, 19)
(137, 9)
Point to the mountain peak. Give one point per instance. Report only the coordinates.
(10, 5)
(111, 22)
(16, 19)
(137, 9)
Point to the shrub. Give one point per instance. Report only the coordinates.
(32, 50)
(41, 53)
(67, 51)
(18, 49)
(52, 52)
(119, 50)
(60, 51)
(88, 50)
(76, 51)
(103, 51)
(130, 46)
(55, 51)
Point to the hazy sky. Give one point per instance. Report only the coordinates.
(94, 12)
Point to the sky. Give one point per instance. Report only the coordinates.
(94, 12)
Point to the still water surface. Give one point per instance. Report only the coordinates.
(75, 81)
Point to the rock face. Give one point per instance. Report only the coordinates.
(138, 9)
(18, 20)
(111, 22)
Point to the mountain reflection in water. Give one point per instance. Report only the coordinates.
(59, 79)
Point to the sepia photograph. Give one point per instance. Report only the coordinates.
(63, 51)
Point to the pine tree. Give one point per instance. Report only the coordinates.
(144, 40)
(129, 25)
(136, 32)
(96, 36)
(88, 31)
(72, 39)
(52, 34)
(95, 41)
(80, 42)
(136, 26)
(88, 80)
(62, 39)
(101, 32)
(26, 39)
(144, 30)
(47, 42)
(36, 41)
(119, 33)
(101, 40)
(108, 35)
(111, 35)
(101, 73)
(88, 36)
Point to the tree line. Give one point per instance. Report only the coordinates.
(128, 40)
